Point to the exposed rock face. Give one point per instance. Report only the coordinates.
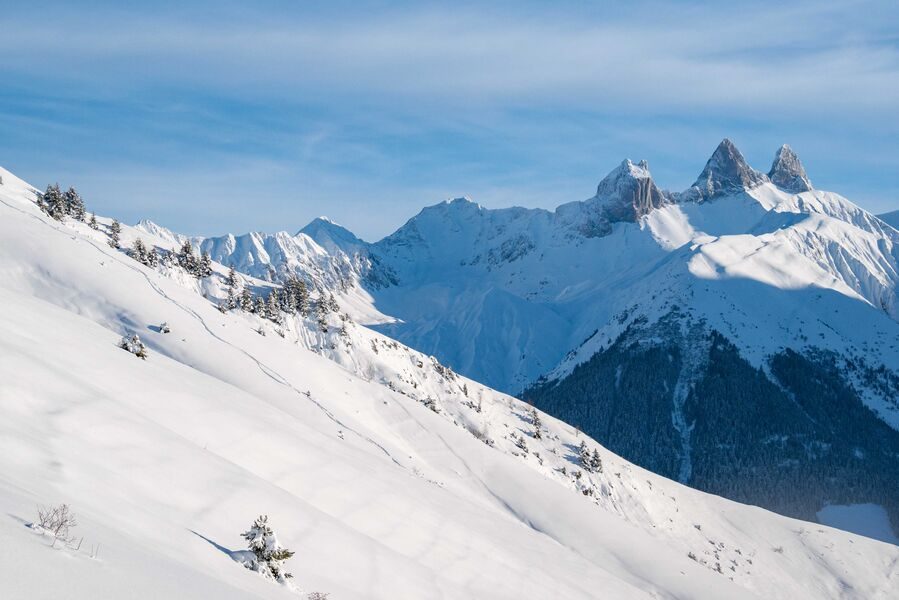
(787, 172)
(628, 193)
(726, 172)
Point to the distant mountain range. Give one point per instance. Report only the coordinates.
(389, 475)
(740, 336)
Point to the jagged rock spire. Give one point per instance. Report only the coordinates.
(629, 192)
(787, 172)
(727, 172)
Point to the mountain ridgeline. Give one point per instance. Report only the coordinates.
(740, 336)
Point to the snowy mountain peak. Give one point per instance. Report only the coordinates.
(330, 235)
(726, 172)
(628, 192)
(157, 230)
(461, 200)
(788, 173)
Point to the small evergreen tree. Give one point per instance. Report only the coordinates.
(115, 230)
(246, 300)
(138, 251)
(187, 259)
(231, 282)
(204, 267)
(596, 462)
(584, 456)
(269, 555)
(54, 202)
(152, 258)
(536, 422)
(132, 344)
(260, 308)
(301, 294)
(320, 315)
(93, 222)
(74, 204)
(332, 303)
(272, 309)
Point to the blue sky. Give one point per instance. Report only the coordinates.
(221, 117)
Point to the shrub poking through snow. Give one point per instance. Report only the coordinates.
(132, 344)
(165, 328)
(269, 555)
(56, 521)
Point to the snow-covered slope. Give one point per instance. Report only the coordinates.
(389, 475)
(519, 299)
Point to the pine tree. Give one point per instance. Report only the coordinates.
(204, 268)
(152, 258)
(320, 315)
(302, 298)
(115, 230)
(584, 456)
(332, 303)
(232, 283)
(272, 309)
(268, 552)
(93, 222)
(536, 422)
(187, 259)
(596, 462)
(74, 204)
(260, 308)
(138, 251)
(54, 202)
(246, 300)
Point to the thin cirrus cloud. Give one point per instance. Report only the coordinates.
(382, 105)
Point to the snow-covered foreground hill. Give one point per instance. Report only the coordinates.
(388, 474)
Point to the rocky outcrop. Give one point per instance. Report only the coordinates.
(787, 172)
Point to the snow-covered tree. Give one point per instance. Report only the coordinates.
(332, 303)
(152, 258)
(187, 259)
(93, 222)
(272, 309)
(74, 204)
(246, 300)
(115, 230)
(591, 462)
(301, 294)
(269, 554)
(596, 461)
(320, 315)
(204, 267)
(260, 308)
(132, 344)
(54, 204)
(584, 455)
(536, 422)
(138, 251)
(232, 284)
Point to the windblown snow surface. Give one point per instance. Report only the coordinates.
(389, 475)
